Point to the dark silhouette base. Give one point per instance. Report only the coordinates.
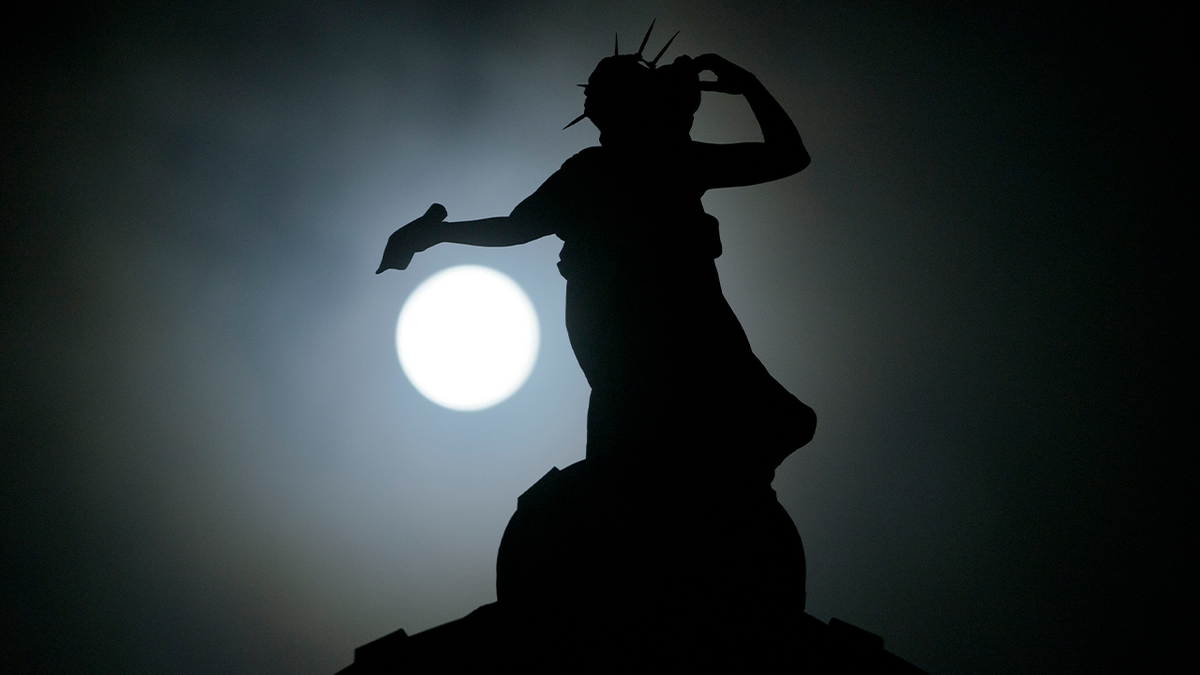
(486, 638)
(601, 568)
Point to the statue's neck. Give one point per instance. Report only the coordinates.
(645, 145)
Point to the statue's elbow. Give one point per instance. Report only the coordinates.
(798, 161)
(808, 425)
(791, 162)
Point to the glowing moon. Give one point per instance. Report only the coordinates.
(467, 337)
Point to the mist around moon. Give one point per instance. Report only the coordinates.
(213, 463)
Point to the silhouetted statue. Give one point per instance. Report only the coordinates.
(673, 377)
(667, 540)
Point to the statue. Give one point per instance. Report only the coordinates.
(667, 538)
(669, 365)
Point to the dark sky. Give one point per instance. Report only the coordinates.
(212, 462)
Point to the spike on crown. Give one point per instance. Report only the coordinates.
(637, 57)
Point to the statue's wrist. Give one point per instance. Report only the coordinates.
(426, 234)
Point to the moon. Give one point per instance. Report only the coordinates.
(467, 337)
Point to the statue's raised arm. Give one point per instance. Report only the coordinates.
(781, 152)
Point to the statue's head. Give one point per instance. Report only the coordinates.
(630, 99)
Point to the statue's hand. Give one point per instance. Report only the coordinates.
(411, 239)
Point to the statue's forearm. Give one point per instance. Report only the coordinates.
(498, 231)
(482, 232)
(779, 133)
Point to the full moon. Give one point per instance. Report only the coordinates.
(467, 337)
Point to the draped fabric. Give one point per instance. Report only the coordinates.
(674, 381)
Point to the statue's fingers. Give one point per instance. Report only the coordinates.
(391, 253)
(395, 262)
(385, 263)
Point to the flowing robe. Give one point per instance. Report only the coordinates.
(674, 381)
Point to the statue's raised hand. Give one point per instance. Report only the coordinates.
(411, 239)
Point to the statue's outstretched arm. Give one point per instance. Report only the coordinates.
(781, 153)
(432, 228)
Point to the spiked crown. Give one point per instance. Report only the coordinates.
(627, 92)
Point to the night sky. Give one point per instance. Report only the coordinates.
(212, 462)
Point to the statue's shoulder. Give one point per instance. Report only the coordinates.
(581, 172)
(587, 158)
